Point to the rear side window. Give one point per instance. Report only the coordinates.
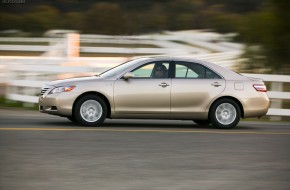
(193, 70)
(209, 74)
(182, 71)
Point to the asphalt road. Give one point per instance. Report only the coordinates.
(39, 151)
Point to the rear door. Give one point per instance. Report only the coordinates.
(194, 86)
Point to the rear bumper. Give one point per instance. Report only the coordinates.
(256, 107)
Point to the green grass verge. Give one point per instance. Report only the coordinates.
(118, 45)
(4, 103)
(111, 55)
(20, 53)
(25, 43)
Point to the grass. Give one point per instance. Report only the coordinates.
(38, 53)
(20, 53)
(4, 103)
(25, 43)
(118, 45)
(111, 55)
(86, 44)
(188, 44)
(32, 53)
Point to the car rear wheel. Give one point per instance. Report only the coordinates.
(202, 122)
(90, 110)
(225, 114)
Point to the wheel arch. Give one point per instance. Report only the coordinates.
(228, 97)
(96, 94)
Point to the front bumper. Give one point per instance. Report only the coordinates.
(57, 104)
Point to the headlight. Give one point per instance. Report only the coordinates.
(62, 89)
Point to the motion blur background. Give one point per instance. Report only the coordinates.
(47, 40)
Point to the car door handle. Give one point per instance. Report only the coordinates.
(163, 84)
(216, 84)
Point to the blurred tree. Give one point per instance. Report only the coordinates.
(73, 20)
(10, 21)
(221, 21)
(135, 17)
(105, 18)
(237, 6)
(184, 14)
(185, 21)
(154, 19)
(42, 18)
(270, 29)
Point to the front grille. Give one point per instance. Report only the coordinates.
(43, 90)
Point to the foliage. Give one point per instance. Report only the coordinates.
(122, 16)
(41, 18)
(269, 29)
(104, 18)
(263, 24)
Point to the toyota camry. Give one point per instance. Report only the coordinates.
(158, 88)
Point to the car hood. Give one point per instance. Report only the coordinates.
(73, 81)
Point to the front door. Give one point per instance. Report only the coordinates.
(148, 92)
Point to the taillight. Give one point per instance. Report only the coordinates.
(260, 87)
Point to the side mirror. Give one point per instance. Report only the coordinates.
(128, 75)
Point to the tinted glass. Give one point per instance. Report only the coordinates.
(152, 70)
(193, 70)
(120, 68)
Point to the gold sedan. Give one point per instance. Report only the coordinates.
(158, 88)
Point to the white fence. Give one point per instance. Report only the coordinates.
(183, 42)
(25, 76)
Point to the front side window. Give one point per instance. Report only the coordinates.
(120, 68)
(152, 70)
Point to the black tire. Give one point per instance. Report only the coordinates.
(72, 119)
(94, 110)
(225, 114)
(202, 122)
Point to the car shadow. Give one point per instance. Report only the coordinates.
(141, 124)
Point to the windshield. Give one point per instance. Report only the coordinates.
(120, 68)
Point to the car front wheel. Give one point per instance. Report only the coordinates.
(225, 114)
(90, 110)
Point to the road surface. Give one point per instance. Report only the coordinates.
(39, 151)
